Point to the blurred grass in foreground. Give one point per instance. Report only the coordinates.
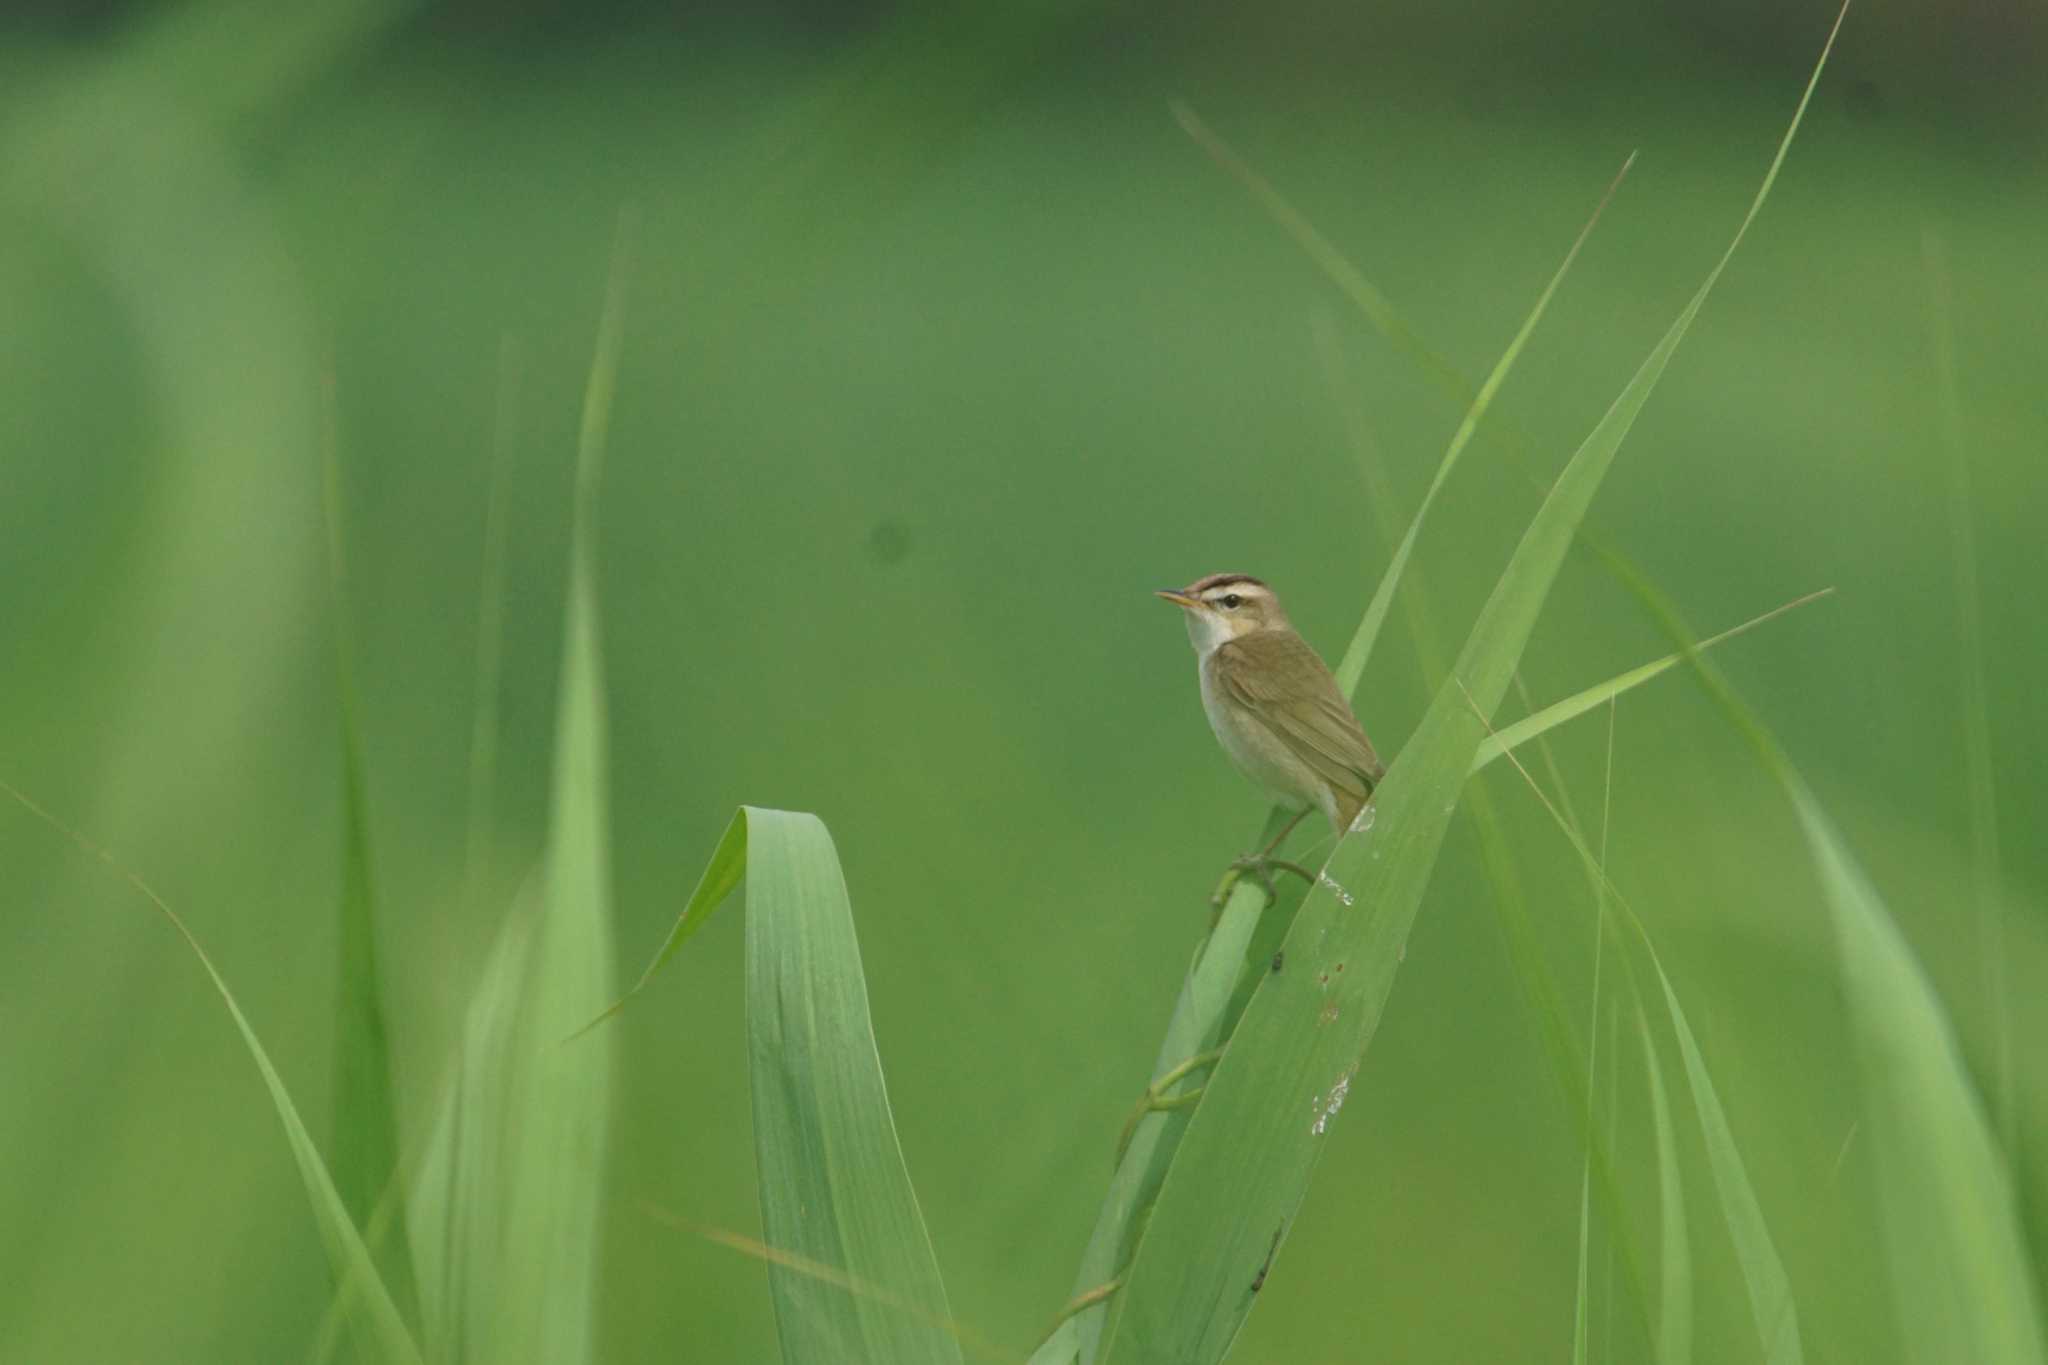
(861, 418)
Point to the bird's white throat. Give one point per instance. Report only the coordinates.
(1207, 630)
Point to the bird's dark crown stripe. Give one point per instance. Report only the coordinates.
(1218, 580)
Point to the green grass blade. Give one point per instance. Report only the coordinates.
(1985, 878)
(1960, 1274)
(1581, 1325)
(833, 1186)
(1674, 1300)
(1196, 1026)
(457, 1210)
(364, 1141)
(1763, 1272)
(1243, 1166)
(1961, 1277)
(1351, 667)
(1247, 934)
(1347, 277)
(728, 864)
(490, 625)
(379, 1327)
(1557, 713)
(850, 1265)
(1539, 986)
(509, 1197)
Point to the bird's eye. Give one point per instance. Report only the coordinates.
(1232, 600)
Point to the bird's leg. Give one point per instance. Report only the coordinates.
(1285, 830)
(1260, 866)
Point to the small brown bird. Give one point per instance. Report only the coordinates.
(1272, 702)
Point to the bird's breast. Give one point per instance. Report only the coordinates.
(1258, 753)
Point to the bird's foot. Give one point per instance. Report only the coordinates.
(1260, 867)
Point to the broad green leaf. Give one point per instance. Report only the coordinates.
(833, 1186)
(850, 1266)
(505, 1212)
(1243, 1165)
(1525, 954)
(373, 1314)
(1196, 1026)
(1674, 1299)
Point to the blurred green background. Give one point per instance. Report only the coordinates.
(946, 345)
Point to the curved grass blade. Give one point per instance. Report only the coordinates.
(833, 1186)
(379, 1326)
(1763, 1272)
(1961, 1277)
(1674, 1301)
(1498, 742)
(850, 1265)
(1961, 1280)
(364, 1141)
(1243, 1165)
(728, 864)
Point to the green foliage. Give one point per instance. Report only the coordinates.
(849, 1262)
(897, 314)
(1763, 1271)
(364, 1131)
(833, 1185)
(1674, 1298)
(1242, 1170)
(380, 1329)
(1961, 1282)
(506, 1208)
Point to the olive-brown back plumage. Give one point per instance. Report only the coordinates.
(1284, 686)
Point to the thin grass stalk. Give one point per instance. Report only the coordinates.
(1985, 880)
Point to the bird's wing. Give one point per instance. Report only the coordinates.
(1282, 682)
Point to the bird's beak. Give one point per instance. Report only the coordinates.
(1178, 598)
